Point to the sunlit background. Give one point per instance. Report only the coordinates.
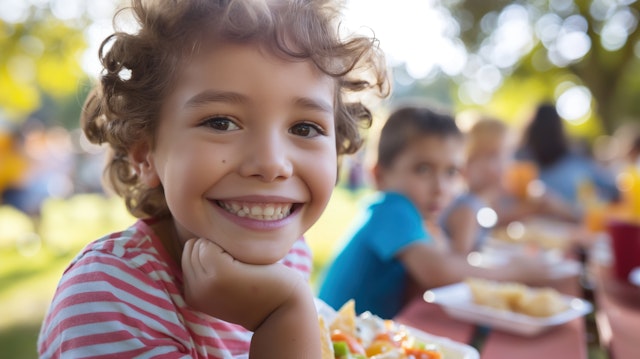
(494, 56)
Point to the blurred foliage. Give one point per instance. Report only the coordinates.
(610, 71)
(40, 65)
(40, 61)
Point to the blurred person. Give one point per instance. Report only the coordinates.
(633, 153)
(391, 246)
(224, 139)
(50, 164)
(562, 169)
(625, 145)
(626, 167)
(486, 152)
(467, 222)
(13, 167)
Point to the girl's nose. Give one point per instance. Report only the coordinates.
(267, 158)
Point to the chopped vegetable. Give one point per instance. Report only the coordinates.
(340, 349)
(418, 353)
(379, 347)
(353, 344)
(375, 338)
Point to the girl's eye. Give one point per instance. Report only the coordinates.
(452, 171)
(306, 130)
(220, 123)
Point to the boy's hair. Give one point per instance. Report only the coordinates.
(409, 123)
(485, 132)
(140, 68)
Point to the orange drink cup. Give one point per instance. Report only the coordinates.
(518, 176)
(595, 218)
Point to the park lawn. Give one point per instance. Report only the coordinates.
(30, 266)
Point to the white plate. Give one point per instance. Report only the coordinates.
(457, 302)
(634, 276)
(449, 348)
(566, 268)
(496, 254)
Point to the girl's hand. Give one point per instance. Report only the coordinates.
(272, 300)
(217, 284)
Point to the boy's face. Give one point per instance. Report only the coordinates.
(427, 172)
(246, 151)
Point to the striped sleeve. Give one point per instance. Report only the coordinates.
(135, 314)
(299, 258)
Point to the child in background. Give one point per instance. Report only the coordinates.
(225, 121)
(486, 154)
(419, 158)
(488, 150)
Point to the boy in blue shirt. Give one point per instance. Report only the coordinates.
(393, 243)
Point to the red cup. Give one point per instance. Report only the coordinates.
(625, 244)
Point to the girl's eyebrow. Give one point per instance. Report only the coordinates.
(314, 104)
(208, 96)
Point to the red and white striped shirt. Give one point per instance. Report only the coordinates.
(121, 298)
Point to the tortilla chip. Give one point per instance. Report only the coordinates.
(345, 320)
(325, 340)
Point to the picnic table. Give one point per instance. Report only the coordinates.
(567, 341)
(617, 312)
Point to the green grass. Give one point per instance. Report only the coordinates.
(34, 252)
(326, 235)
(19, 340)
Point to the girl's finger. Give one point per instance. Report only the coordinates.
(189, 266)
(191, 260)
(196, 256)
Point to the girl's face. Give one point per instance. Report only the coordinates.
(427, 172)
(245, 151)
(485, 167)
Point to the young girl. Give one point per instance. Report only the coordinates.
(226, 120)
(486, 155)
(488, 150)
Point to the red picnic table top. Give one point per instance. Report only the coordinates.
(617, 313)
(567, 341)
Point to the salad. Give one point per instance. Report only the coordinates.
(368, 336)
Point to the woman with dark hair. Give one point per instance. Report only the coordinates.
(563, 169)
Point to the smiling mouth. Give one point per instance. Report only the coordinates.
(257, 211)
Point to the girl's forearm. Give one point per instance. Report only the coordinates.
(291, 331)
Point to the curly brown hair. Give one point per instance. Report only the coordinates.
(140, 68)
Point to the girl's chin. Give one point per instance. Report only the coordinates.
(257, 258)
(432, 214)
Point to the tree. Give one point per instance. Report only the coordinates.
(590, 47)
(40, 58)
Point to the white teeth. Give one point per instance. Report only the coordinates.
(268, 211)
(262, 211)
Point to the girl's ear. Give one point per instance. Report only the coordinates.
(142, 161)
(464, 171)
